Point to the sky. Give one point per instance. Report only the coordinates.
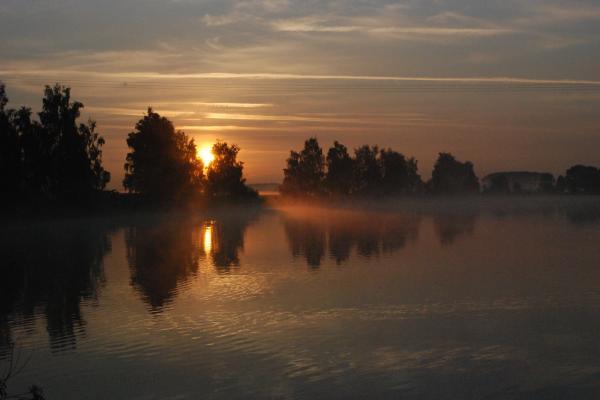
(506, 84)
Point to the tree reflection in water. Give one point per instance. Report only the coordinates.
(314, 233)
(227, 240)
(306, 238)
(161, 255)
(223, 236)
(49, 269)
(164, 253)
(449, 227)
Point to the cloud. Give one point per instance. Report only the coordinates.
(321, 118)
(269, 6)
(221, 20)
(215, 128)
(541, 13)
(257, 76)
(216, 105)
(375, 27)
(317, 37)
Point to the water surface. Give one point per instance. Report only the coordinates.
(498, 300)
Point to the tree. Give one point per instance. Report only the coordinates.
(561, 184)
(399, 175)
(162, 164)
(339, 170)
(10, 150)
(367, 171)
(225, 173)
(292, 176)
(453, 177)
(76, 162)
(36, 151)
(305, 170)
(546, 183)
(499, 184)
(53, 159)
(581, 179)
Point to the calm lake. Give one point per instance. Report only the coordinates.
(494, 299)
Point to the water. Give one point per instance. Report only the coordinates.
(497, 299)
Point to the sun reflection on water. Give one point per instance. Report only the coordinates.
(207, 241)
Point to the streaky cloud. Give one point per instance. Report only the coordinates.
(285, 76)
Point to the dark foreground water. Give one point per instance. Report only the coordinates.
(468, 301)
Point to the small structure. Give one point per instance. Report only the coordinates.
(518, 182)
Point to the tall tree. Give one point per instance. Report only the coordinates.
(451, 176)
(305, 170)
(339, 170)
(162, 164)
(292, 177)
(399, 175)
(367, 171)
(76, 161)
(225, 173)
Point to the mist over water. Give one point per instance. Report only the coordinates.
(419, 298)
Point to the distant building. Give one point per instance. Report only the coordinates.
(517, 182)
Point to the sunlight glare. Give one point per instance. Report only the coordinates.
(206, 155)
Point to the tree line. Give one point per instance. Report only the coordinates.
(374, 171)
(56, 160)
(370, 171)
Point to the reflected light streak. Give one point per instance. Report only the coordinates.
(207, 238)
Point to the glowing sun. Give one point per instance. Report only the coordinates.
(206, 155)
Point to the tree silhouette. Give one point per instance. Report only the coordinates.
(10, 149)
(225, 173)
(367, 171)
(55, 158)
(453, 177)
(37, 156)
(339, 170)
(76, 159)
(399, 175)
(305, 170)
(292, 175)
(580, 179)
(161, 256)
(162, 164)
(499, 184)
